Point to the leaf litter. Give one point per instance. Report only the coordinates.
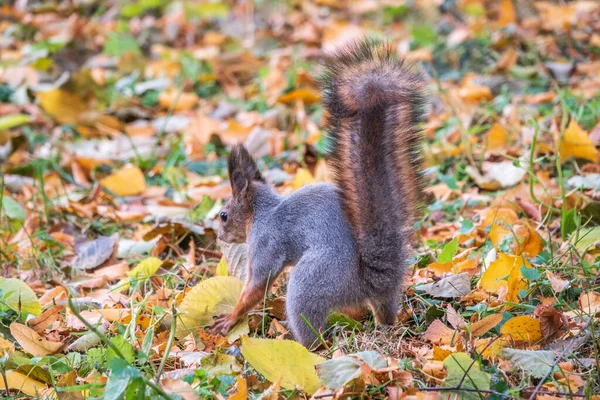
(116, 119)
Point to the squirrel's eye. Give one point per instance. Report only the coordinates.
(223, 216)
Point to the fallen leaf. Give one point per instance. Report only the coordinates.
(48, 319)
(307, 96)
(505, 273)
(438, 333)
(22, 383)
(507, 14)
(93, 253)
(497, 137)
(242, 389)
(535, 363)
(283, 360)
(208, 299)
(482, 326)
(522, 329)
(64, 106)
(449, 287)
(127, 181)
(179, 388)
(553, 323)
(497, 175)
(558, 284)
(303, 177)
(340, 371)
(31, 342)
(576, 143)
(462, 368)
(18, 296)
(177, 101)
(589, 302)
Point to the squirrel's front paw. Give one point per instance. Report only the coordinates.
(223, 324)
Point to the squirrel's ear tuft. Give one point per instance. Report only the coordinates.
(242, 169)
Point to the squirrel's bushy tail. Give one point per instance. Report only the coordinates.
(374, 103)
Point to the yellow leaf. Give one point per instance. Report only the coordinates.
(18, 381)
(19, 296)
(500, 273)
(480, 327)
(488, 349)
(283, 359)
(507, 16)
(128, 181)
(5, 344)
(497, 137)
(65, 107)
(515, 283)
(440, 353)
(178, 101)
(222, 267)
(522, 329)
(31, 342)
(307, 96)
(303, 177)
(145, 268)
(576, 143)
(208, 299)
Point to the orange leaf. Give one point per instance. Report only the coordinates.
(497, 137)
(307, 96)
(242, 389)
(178, 101)
(128, 181)
(438, 333)
(482, 326)
(507, 16)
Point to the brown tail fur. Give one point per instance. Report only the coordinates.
(374, 102)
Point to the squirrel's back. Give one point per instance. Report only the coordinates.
(374, 103)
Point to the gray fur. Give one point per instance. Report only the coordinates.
(308, 230)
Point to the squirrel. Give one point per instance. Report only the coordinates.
(348, 241)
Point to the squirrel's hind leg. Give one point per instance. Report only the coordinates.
(302, 305)
(385, 309)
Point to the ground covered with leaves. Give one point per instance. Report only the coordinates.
(115, 122)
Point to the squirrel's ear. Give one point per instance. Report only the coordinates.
(239, 183)
(242, 169)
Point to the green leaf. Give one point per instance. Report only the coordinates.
(587, 238)
(466, 227)
(17, 295)
(459, 366)
(338, 372)
(449, 251)
(12, 209)
(12, 121)
(423, 35)
(570, 222)
(119, 43)
(124, 347)
(201, 210)
(531, 274)
(345, 321)
(537, 364)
